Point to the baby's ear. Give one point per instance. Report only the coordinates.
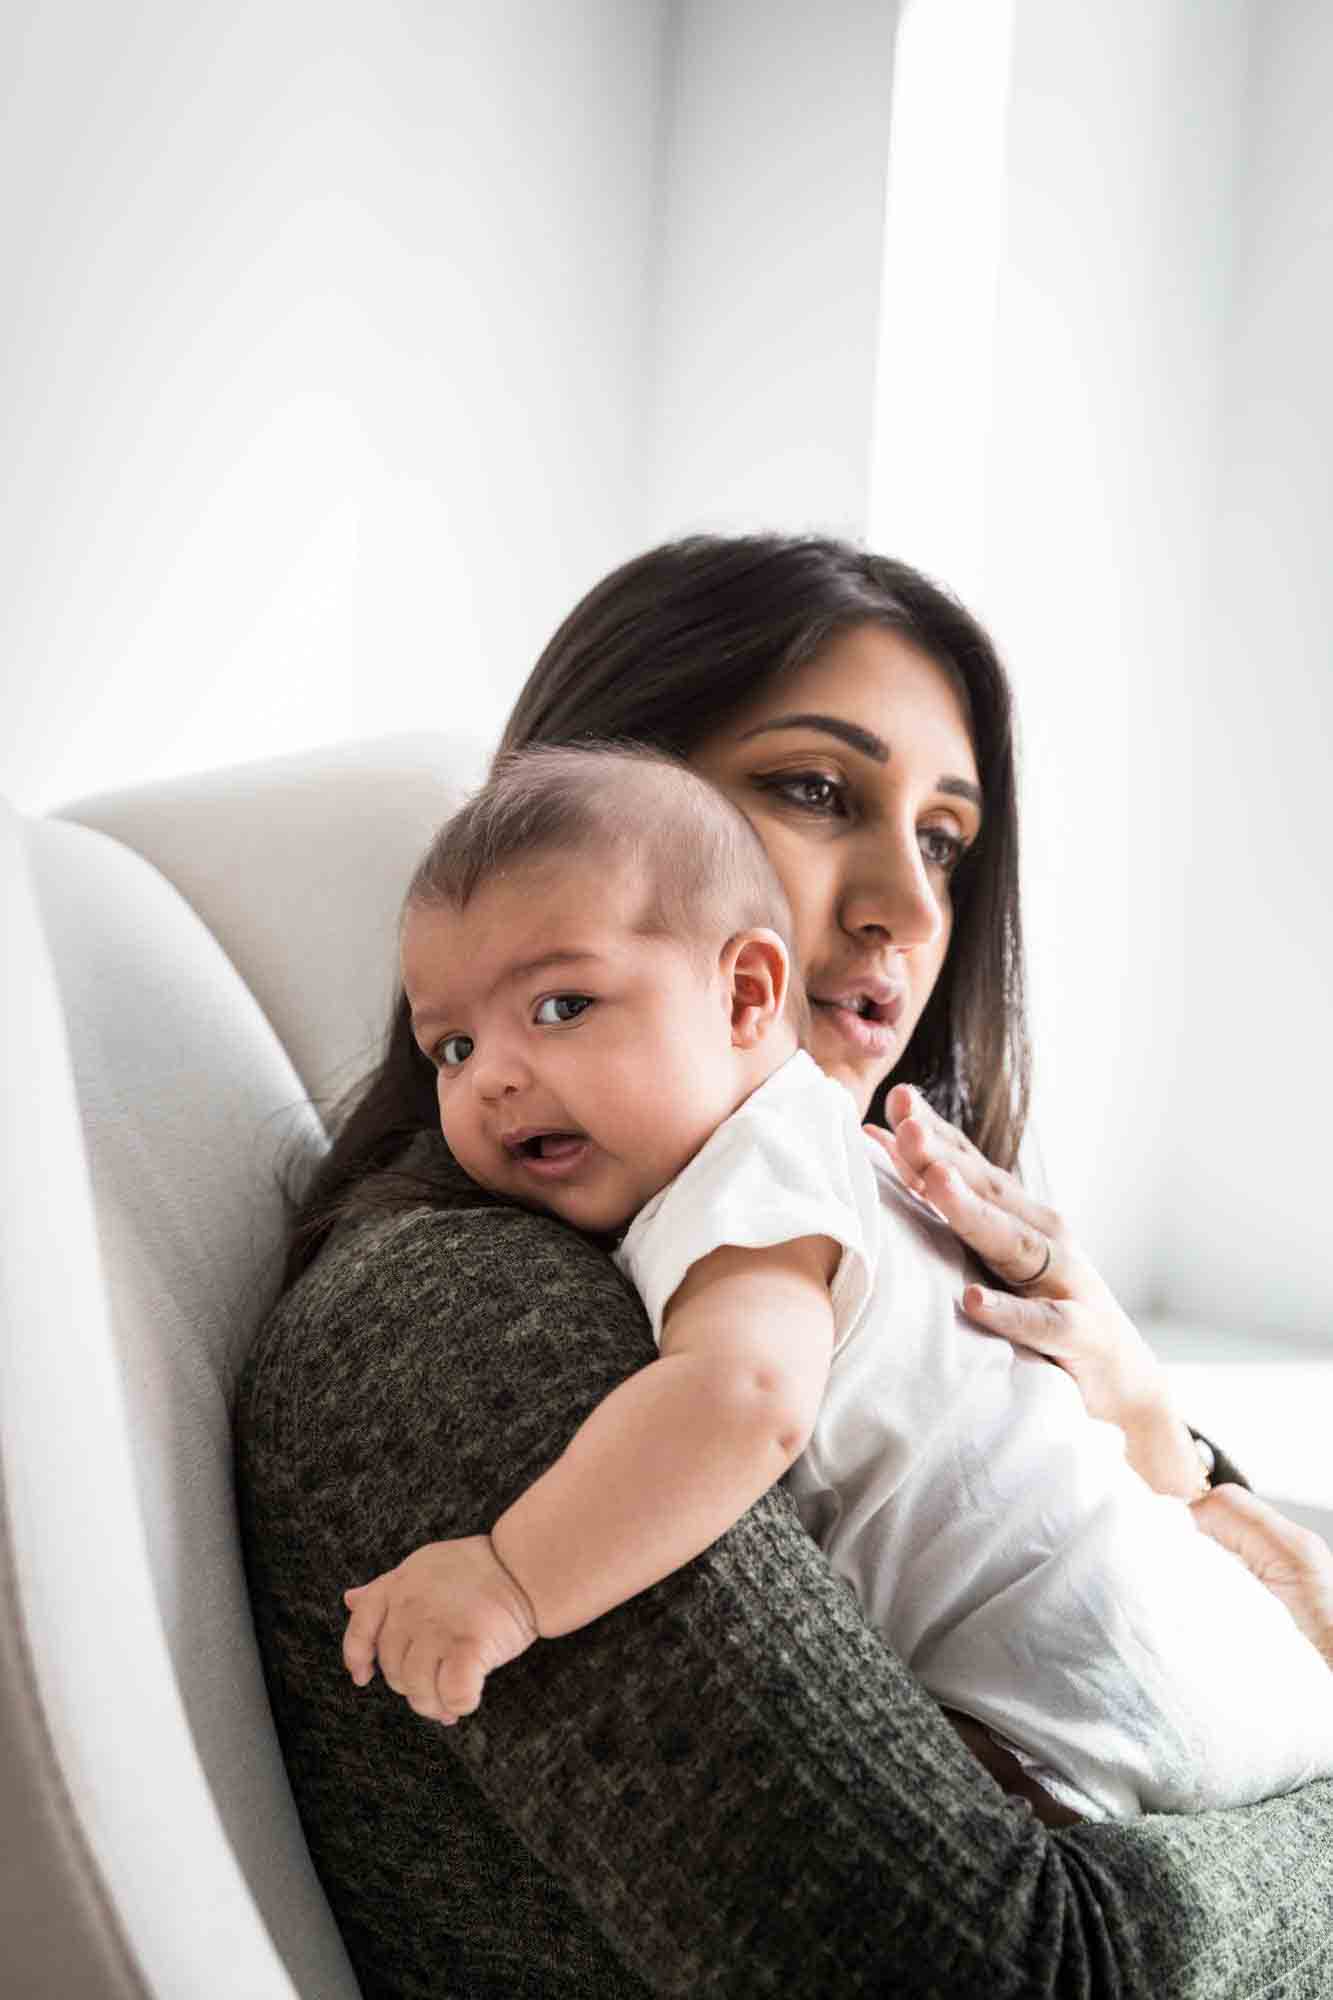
(758, 972)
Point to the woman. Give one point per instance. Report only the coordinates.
(729, 1785)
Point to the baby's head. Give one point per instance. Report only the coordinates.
(595, 950)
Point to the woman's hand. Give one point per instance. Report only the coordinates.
(1061, 1307)
(1291, 1561)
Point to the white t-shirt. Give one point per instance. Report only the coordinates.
(992, 1530)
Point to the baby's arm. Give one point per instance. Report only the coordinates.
(680, 1451)
(663, 1467)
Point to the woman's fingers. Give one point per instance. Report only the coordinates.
(1291, 1561)
(1013, 1246)
(888, 1143)
(1266, 1541)
(1060, 1307)
(1044, 1325)
(921, 1138)
(904, 1101)
(1020, 1239)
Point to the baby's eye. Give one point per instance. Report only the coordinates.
(453, 1051)
(561, 1007)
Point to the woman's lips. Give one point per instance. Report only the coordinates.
(870, 1036)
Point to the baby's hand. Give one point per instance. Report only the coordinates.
(439, 1623)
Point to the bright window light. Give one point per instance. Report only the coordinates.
(944, 231)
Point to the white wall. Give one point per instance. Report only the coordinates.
(351, 344)
(768, 301)
(1249, 1175)
(1146, 348)
(323, 392)
(1059, 241)
(1101, 472)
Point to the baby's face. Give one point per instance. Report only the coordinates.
(580, 1066)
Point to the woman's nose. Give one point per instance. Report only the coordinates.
(888, 889)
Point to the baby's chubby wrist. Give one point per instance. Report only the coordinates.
(520, 1604)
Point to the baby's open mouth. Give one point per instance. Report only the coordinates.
(545, 1145)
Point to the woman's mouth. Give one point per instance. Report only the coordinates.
(865, 1024)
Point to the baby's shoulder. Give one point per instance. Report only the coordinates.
(799, 1109)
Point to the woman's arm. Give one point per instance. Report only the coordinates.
(728, 1786)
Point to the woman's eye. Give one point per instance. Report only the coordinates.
(942, 849)
(453, 1051)
(809, 790)
(561, 1007)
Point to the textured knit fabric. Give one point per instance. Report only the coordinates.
(991, 1529)
(729, 1786)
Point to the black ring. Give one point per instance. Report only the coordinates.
(1026, 1284)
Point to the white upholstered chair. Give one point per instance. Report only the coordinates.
(186, 967)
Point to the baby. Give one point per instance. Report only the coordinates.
(595, 954)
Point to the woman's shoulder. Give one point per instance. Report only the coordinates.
(400, 1249)
(427, 1336)
(422, 1222)
(408, 1287)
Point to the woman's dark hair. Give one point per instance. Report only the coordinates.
(664, 652)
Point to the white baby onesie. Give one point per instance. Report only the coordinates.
(992, 1530)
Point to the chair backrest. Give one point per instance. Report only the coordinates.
(150, 1111)
(298, 865)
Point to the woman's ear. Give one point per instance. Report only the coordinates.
(757, 972)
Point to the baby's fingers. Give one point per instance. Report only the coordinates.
(458, 1687)
(368, 1604)
(440, 1688)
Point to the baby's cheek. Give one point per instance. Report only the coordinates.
(462, 1143)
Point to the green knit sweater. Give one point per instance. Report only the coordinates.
(727, 1787)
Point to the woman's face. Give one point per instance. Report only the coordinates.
(859, 776)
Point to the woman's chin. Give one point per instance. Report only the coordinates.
(856, 1070)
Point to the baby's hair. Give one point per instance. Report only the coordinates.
(707, 873)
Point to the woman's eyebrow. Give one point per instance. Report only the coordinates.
(850, 733)
(864, 740)
(961, 788)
